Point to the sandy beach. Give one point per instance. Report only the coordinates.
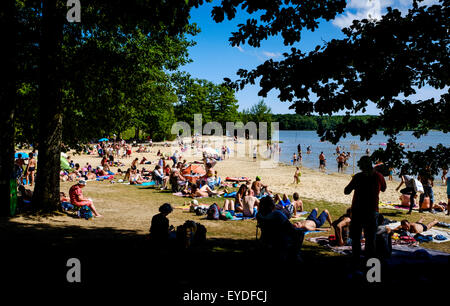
(328, 186)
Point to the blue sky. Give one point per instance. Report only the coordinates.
(214, 58)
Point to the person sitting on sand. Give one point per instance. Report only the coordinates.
(159, 177)
(239, 198)
(100, 171)
(25, 194)
(259, 189)
(415, 227)
(276, 228)
(160, 230)
(77, 198)
(91, 175)
(143, 160)
(298, 204)
(313, 223)
(250, 204)
(342, 226)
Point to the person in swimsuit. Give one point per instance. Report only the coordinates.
(313, 223)
(416, 227)
(31, 169)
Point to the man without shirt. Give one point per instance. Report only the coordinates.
(416, 227)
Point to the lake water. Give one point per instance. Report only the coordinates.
(291, 139)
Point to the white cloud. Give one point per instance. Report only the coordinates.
(372, 9)
(239, 48)
(271, 54)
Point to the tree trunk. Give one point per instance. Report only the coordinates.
(8, 101)
(46, 193)
(136, 133)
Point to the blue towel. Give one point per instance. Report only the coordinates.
(230, 195)
(148, 183)
(440, 237)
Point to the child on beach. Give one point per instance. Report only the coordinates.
(297, 176)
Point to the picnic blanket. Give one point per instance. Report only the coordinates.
(347, 249)
(433, 231)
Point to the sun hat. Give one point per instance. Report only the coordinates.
(195, 202)
(81, 182)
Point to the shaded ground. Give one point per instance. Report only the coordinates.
(117, 259)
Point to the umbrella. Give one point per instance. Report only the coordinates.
(211, 151)
(24, 155)
(103, 139)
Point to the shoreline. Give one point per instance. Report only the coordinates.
(314, 184)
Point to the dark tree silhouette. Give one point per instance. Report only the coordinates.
(382, 61)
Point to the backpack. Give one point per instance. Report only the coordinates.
(85, 212)
(200, 211)
(213, 212)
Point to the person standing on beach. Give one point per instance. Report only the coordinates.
(322, 161)
(447, 182)
(31, 169)
(340, 160)
(427, 180)
(366, 185)
(299, 149)
(408, 180)
(297, 175)
(294, 159)
(444, 174)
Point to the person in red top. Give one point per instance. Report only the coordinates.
(77, 198)
(366, 185)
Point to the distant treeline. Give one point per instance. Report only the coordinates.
(299, 122)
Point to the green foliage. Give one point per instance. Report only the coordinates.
(380, 61)
(216, 103)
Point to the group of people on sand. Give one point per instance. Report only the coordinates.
(25, 169)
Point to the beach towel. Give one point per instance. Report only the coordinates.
(152, 183)
(433, 232)
(237, 179)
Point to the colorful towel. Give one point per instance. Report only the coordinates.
(433, 231)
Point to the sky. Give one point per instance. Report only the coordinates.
(214, 58)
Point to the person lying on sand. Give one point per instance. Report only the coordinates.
(416, 227)
(313, 223)
(204, 191)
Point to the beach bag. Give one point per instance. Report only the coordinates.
(199, 211)
(66, 206)
(417, 185)
(426, 203)
(85, 212)
(213, 212)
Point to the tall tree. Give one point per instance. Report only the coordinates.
(153, 18)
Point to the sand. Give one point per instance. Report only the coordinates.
(315, 185)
